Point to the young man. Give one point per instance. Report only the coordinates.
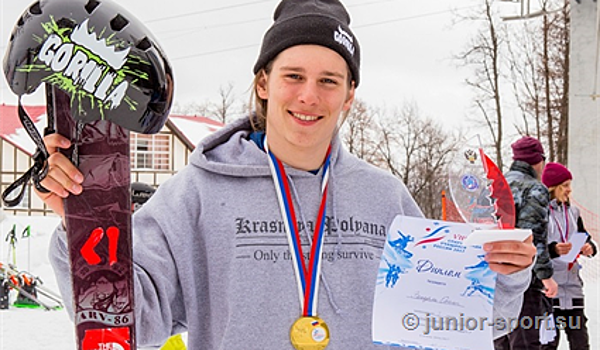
(213, 248)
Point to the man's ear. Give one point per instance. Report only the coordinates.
(261, 86)
(349, 98)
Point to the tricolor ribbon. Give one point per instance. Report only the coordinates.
(564, 237)
(306, 276)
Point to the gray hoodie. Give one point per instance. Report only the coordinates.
(211, 255)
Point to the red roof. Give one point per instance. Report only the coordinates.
(13, 132)
(194, 118)
(10, 122)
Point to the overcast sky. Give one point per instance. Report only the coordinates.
(407, 48)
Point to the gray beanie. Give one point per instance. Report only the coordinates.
(319, 22)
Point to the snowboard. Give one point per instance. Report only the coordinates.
(98, 223)
(105, 75)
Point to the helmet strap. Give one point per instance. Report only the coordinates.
(38, 170)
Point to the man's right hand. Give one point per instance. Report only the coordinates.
(63, 177)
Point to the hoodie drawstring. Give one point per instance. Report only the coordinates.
(338, 244)
(330, 296)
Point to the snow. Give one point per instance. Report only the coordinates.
(22, 329)
(194, 129)
(25, 329)
(33, 329)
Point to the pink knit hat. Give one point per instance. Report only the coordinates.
(554, 174)
(528, 149)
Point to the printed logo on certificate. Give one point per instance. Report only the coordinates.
(433, 291)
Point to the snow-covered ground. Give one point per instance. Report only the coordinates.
(24, 329)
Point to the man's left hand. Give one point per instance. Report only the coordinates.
(506, 257)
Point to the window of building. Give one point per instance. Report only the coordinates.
(150, 152)
(26, 201)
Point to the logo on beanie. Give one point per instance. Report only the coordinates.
(345, 39)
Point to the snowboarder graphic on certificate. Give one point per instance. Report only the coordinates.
(392, 275)
(397, 259)
(481, 278)
(401, 243)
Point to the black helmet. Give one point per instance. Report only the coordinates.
(98, 53)
(140, 193)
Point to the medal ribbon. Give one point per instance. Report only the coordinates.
(563, 236)
(307, 277)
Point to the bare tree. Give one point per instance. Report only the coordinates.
(400, 141)
(428, 149)
(359, 131)
(193, 108)
(418, 151)
(539, 61)
(484, 54)
(523, 60)
(222, 109)
(559, 39)
(415, 149)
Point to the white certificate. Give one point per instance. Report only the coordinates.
(577, 240)
(433, 291)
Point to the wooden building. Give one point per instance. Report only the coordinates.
(154, 158)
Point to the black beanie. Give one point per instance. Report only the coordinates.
(305, 22)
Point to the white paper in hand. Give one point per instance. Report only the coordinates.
(479, 237)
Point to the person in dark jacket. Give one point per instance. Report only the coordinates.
(531, 203)
(564, 220)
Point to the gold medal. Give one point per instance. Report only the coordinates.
(309, 333)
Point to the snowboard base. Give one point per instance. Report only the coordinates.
(98, 223)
